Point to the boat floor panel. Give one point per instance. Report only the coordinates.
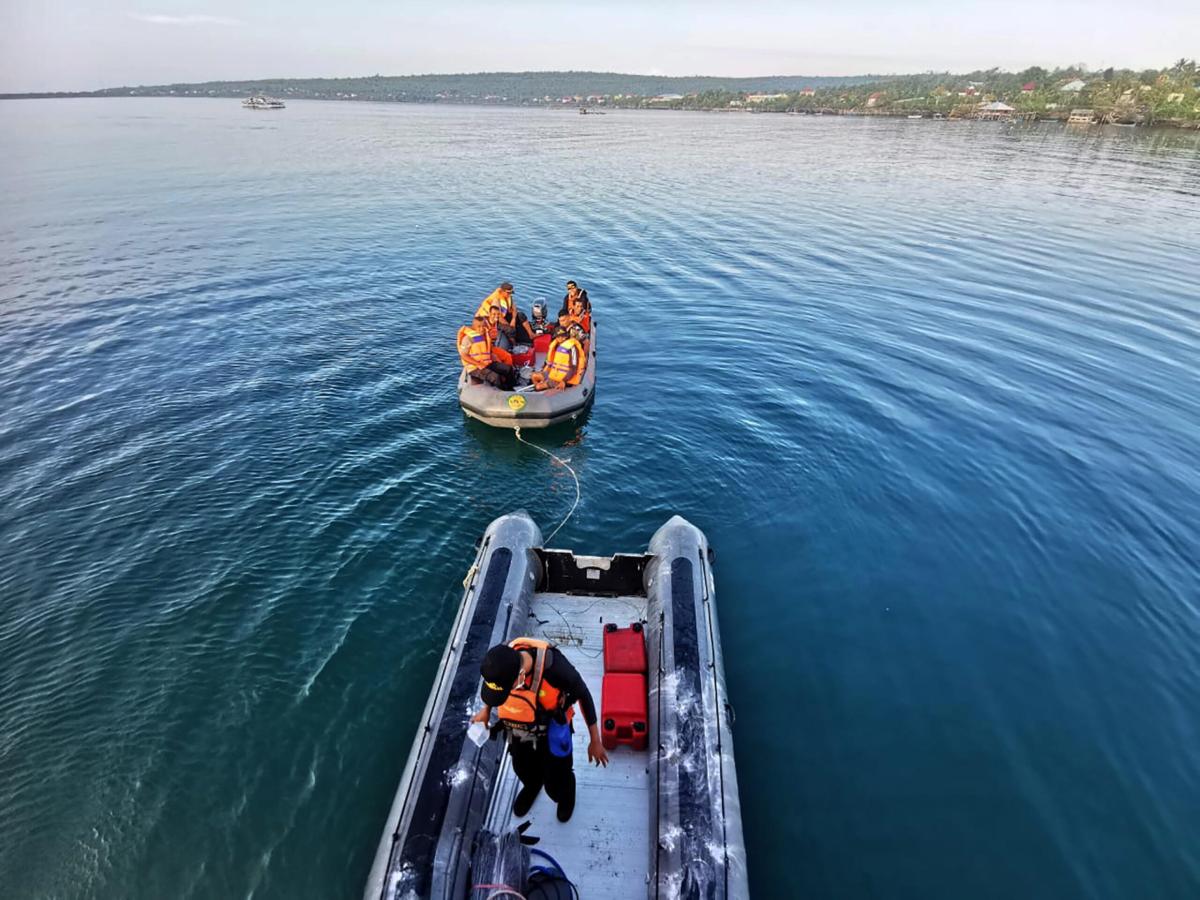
(603, 849)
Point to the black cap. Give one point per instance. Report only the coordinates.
(500, 668)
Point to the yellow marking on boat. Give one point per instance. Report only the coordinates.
(516, 401)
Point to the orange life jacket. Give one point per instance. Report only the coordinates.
(478, 355)
(495, 298)
(565, 361)
(584, 321)
(528, 708)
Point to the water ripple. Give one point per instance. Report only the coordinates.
(931, 389)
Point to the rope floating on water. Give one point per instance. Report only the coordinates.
(562, 462)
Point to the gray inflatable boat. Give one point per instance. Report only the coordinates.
(526, 408)
(662, 822)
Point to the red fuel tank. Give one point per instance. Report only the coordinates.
(623, 711)
(522, 355)
(624, 649)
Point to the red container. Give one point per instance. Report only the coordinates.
(522, 359)
(623, 711)
(541, 342)
(624, 649)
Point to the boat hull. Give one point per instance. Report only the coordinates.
(529, 409)
(664, 820)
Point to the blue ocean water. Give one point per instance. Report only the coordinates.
(931, 388)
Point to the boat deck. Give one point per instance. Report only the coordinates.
(611, 824)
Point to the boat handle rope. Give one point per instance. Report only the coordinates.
(562, 462)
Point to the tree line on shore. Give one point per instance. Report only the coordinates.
(1169, 94)
(1153, 95)
(506, 87)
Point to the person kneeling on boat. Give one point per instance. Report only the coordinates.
(480, 358)
(566, 360)
(533, 687)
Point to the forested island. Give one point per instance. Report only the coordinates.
(1170, 95)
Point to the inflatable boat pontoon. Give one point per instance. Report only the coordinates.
(528, 408)
(663, 822)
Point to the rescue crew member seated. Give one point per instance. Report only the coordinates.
(480, 357)
(523, 331)
(502, 299)
(579, 314)
(574, 293)
(566, 359)
(533, 687)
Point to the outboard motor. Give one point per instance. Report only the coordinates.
(538, 323)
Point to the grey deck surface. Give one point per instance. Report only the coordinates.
(603, 849)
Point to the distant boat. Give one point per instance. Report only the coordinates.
(261, 101)
(916, 116)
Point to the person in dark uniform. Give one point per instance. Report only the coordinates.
(574, 294)
(534, 689)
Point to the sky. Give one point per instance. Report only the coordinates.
(48, 45)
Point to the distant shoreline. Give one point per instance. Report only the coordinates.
(1168, 96)
(1057, 116)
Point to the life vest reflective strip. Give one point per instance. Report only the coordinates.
(495, 298)
(564, 361)
(479, 354)
(527, 708)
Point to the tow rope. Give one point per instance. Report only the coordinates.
(562, 462)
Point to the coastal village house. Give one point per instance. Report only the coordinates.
(808, 92)
(1073, 87)
(995, 110)
(1029, 87)
(874, 98)
(764, 98)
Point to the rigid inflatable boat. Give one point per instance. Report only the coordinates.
(527, 408)
(663, 821)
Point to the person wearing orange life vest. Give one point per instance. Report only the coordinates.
(533, 687)
(576, 294)
(479, 357)
(566, 359)
(578, 314)
(501, 297)
(512, 326)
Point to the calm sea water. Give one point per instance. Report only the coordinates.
(932, 389)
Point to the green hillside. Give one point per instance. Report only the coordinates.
(504, 87)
